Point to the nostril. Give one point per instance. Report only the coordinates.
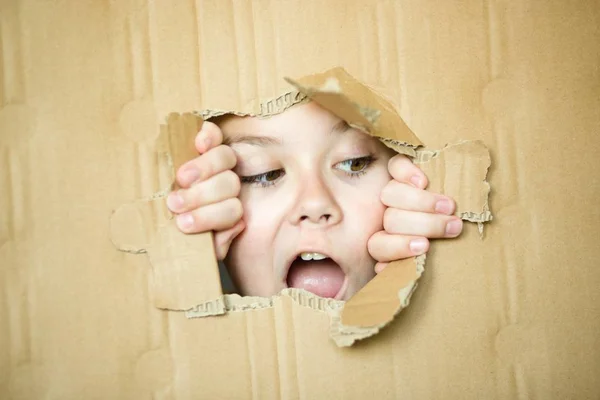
(325, 217)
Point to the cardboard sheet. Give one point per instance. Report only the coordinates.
(84, 89)
(183, 280)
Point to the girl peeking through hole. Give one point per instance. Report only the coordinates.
(303, 200)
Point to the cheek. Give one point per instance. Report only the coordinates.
(366, 203)
(368, 214)
(250, 257)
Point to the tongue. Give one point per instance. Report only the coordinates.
(323, 277)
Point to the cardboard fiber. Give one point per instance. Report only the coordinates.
(84, 87)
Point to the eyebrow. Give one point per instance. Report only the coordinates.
(340, 127)
(264, 141)
(261, 141)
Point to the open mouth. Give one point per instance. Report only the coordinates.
(318, 274)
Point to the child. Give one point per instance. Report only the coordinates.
(302, 200)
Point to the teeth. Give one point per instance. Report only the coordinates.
(312, 256)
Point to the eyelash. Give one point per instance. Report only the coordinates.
(370, 159)
(256, 179)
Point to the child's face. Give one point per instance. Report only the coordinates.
(310, 184)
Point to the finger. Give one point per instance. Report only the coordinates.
(407, 197)
(224, 238)
(403, 170)
(218, 159)
(209, 137)
(385, 247)
(217, 217)
(380, 266)
(217, 188)
(402, 222)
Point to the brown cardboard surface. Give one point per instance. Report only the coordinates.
(84, 87)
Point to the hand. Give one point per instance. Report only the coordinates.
(207, 200)
(413, 215)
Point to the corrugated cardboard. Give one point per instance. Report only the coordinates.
(184, 267)
(84, 89)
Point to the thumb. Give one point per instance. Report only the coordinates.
(224, 238)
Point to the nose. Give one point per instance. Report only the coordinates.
(315, 204)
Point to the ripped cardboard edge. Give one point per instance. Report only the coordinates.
(237, 303)
(185, 274)
(362, 318)
(360, 106)
(345, 329)
(472, 188)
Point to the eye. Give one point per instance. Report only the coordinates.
(266, 179)
(355, 166)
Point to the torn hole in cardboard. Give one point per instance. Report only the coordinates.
(185, 275)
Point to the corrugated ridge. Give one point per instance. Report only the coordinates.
(140, 54)
(237, 303)
(236, 57)
(503, 143)
(243, 23)
(6, 199)
(286, 357)
(215, 307)
(12, 80)
(250, 343)
(266, 108)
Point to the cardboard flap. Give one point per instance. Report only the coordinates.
(459, 171)
(184, 267)
(184, 270)
(361, 107)
(379, 301)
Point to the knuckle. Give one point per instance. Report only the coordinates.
(392, 161)
(398, 159)
(226, 156)
(373, 245)
(212, 131)
(388, 219)
(386, 193)
(235, 183)
(232, 159)
(220, 245)
(229, 182)
(206, 166)
(416, 198)
(236, 208)
(397, 193)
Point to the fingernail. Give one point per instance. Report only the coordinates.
(190, 175)
(443, 206)
(454, 227)
(185, 221)
(416, 181)
(175, 202)
(418, 246)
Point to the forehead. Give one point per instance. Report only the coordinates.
(297, 119)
